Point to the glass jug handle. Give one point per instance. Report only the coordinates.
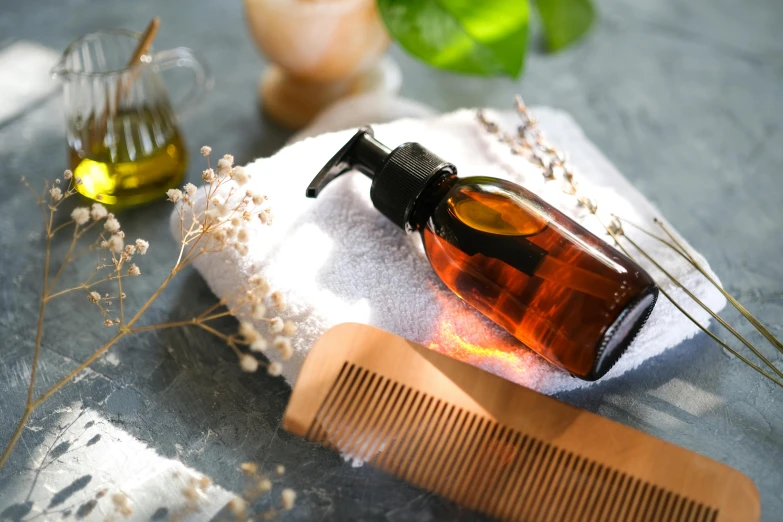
(185, 57)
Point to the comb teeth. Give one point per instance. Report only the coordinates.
(483, 464)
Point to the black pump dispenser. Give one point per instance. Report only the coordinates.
(399, 176)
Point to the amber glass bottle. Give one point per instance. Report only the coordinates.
(546, 280)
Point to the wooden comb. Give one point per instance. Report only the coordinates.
(496, 447)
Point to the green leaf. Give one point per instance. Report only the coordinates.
(481, 37)
(565, 21)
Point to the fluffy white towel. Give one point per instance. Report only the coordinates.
(337, 259)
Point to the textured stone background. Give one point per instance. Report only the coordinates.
(686, 98)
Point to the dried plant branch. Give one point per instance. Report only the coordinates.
(225, 222)
(530, 143)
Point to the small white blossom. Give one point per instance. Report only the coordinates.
(238, 507)
(280, 469)
(236, 221)
(289, 328)
(229, 158)
(98, 211)
(206, 150)
(248, 331)
(240, 176)
(274, 369)
(223, 167)
(283, 345)
(276, 325)
(56, 193)
(220, 235)
(243, 235)
(94, 297)
(174, 195)
(258, 199)
(115, 244)
(130, 250)
(248, 363)
(80, 215)
(257, 311)
(208, 175)
(68, 174)
(108, 322)
(190, 189)
(134, 270)
(264, 485)
(288, 497)
(111, 224)
(241, 249)
(259, 345)
(79, 180)
(278, 300)
(142, 246)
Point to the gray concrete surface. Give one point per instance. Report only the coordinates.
(686, 98)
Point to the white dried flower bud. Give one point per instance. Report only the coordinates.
(289, 328)
(94, 297)
(259, 345)
(79, 180)
(257, 280)
(142, 246)
(57, 181)
(238, 507)
(80, 215)
(229, 158)
(264, 485)
(280, 469)
(276, 325)
(206, 150)
(257, 311)
(248, 363)
(263, 217)
(174, 195)
(115, 244)
(208, 175)
(133, 270)
(275, 369)
(56, 193)
(283, 345)
(130, 250)
(98, 211)
(243, 235)
(288, 497)
(111, 224)
(231, 232)
(190, 189)
(278, 300)
(241, 249)
(240, 176)
(220, 235)
(223, 167)
(68, 174)
(108, 322)
(258, 199)
(248, 331)
(236, 221)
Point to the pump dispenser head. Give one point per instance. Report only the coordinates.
(398, 176)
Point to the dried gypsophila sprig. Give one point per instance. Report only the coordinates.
(530, 143)
(256, 486)
(223, 223)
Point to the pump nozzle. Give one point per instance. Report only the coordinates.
(362, 152)
(398, 176)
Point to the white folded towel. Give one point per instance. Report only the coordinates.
(337, 259)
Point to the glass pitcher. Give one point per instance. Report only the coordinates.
(123, 139)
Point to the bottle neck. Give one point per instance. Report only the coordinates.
(432, 195)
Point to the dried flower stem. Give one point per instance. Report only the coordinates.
(220, 225)
(529, 142)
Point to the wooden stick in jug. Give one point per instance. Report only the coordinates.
(141, 49)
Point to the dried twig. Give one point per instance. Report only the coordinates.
(529, 142)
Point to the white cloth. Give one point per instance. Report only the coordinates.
(337, 259)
